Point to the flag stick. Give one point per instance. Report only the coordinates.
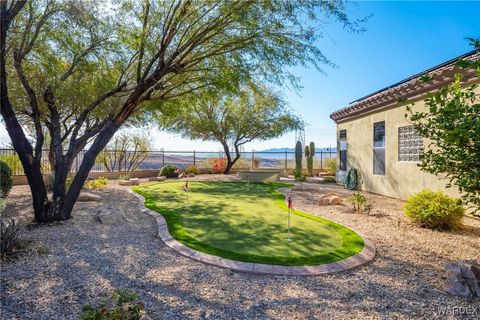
(289, 212)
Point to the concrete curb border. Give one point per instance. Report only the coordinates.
(362, 258)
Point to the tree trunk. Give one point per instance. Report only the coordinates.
(87, 163)
(230, 161)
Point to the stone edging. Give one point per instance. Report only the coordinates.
(365, 256)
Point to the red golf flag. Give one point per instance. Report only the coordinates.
(290, 203)
(185, 187)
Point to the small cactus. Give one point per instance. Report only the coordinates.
(311, 154)
(312, 149)
(298, 156)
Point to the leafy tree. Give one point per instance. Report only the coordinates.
(81, 69)
(125, 152)
(253, 113)
(451, 125)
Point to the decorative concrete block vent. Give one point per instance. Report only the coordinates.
(463, 278)
(330, 199)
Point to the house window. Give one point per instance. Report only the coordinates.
(343, 150)
(410, 144)
(379, 148)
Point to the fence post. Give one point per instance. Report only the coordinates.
(163, 157)
(321, 160)
(194, 162)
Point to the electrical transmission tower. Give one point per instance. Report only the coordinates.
(300, 134)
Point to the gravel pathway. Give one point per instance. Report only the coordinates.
(68, 264)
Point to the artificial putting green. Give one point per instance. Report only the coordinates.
(247, 223)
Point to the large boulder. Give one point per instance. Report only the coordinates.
(87, 196)
(124, 182)
(463, 279)
(330, 199)
(161, 178)
(135, 181)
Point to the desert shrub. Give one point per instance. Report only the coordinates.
(6, 180)
(330, 165)
(191, 169)
(169, 171)
(8, 234)
(297, 173)
(124, 177)
(122, 305)
(256, 163)
(13, 162)
(98, 183)
(329, 179)
(434, 210)
(3, 205)
(360, 203)
(241, 163)
(219, 165)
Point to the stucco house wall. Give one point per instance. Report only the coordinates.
(401, 178)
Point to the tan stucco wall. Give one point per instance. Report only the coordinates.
(401, 178)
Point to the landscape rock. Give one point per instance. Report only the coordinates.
(191, 175)
(109, 216)
(87, 196)
(161, 178)
(462, 279)
(124, 182)
(182, 175)
(330, 199)
(135, 181)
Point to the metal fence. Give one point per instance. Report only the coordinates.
(202, 159)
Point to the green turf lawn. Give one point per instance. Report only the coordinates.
(247, 223)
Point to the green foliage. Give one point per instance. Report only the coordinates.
(8, 234)
(98, 183)
(125, 152)
(3, 205)
(451, 125)
(329, 180)
(360, 203)
(310, 166)
(13, 162)
(312, 149)
(192, 169)
(330, 165)
(124, 177)
(298, 156)
(6, 181)
(254, 112)
(126, 61)
(309, 154)
(434, 210)
(307, 151)
(122, 305)
(169, 171)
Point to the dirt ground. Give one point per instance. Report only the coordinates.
(65, 265)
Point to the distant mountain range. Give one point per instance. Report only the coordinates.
(293, 150)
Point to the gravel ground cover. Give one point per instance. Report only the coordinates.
(68, 264)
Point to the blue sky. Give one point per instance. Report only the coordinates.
(401, 39)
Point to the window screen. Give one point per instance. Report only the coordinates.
(343, 150)
(379, 148)
(410, 144)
